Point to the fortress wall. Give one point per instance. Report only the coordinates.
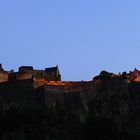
(23, 76)
(3, 77)
(54, 95)
(17, 92)
(38, 83)
(66, 95)
(53, 99)
(25, 89)
(67, 84)
(58, 97)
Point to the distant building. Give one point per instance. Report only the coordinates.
(28, 72)
(134, 76)
(26, 69)
(51, 73)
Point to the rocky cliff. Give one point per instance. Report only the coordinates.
(106, 108)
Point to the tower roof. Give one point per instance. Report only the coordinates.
(51, 69)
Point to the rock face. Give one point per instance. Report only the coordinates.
(114, 113)
(108, 110)
(105, 108)
(36, 104)
(16, 93)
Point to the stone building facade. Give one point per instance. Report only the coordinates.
(28, 72)
(134, 76)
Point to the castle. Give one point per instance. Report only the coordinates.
(39, 86)
(29, 85)
(27, 72)
(49, 75)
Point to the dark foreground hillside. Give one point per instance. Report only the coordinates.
(112, 114)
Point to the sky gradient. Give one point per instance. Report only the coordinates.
(83, 37)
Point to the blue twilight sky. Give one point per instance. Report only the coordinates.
(83, 37)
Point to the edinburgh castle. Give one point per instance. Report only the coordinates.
(29, 85)
(36, 104)
(40, 86)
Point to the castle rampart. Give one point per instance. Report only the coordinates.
(45, 86)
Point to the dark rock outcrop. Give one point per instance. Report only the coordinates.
(107, 108)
